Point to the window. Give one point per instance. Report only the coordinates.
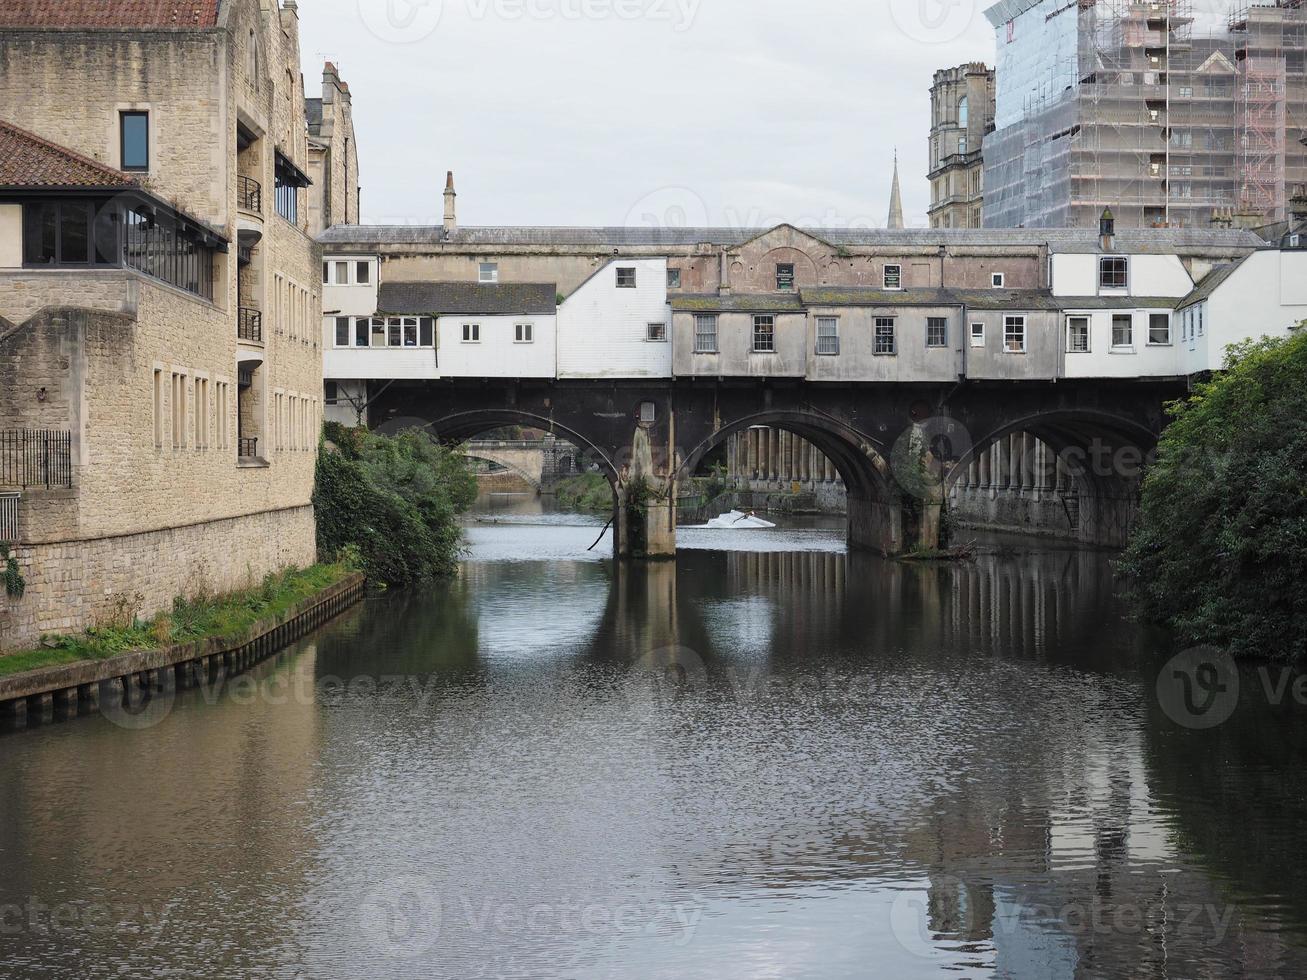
(977, 335)
(884, 337)
(427, 326)
(705, 333)
(471, 333)
(1077, 334)
(394, 332)
(326, 273)
(361, 332)
(962, 144)
(160, 246)
(1200, 320)
(936, 331)
(893, 277)
(378, 326)
(963, 114)
(342, 273)
(764, 334)
(363, 273)
(1159, 329)
(1123, 330)
(785, 277)
(625, 277)
(997, 280)
(1014, 334)
(828, 335)
(158, 408)
(1113, 273)
(656, 333)
(673, 278)
(330, 392)
(134, 133)
(410, 331)
(524, 333)
(342, 331)
(488, 272)
(288, 182)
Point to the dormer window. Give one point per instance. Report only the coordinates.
(1113, 272)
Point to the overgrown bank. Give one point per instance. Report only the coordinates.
(1220, 555)
(393, 501)
(588, 492)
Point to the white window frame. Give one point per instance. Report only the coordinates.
(1011, 320)
(673, 278)
(876, 325)
(1089, 324)
(1127, 348)
(335, 272)
(471, 333)
(929, 321)
(704, 319)
(832, 338)
(626, 269)
(523, 333)
(655, 336)
(998, 280)
(977, 339)
(898, 277)
(1170, 330)
(1102, 262)
(758, 321)
(488, 273)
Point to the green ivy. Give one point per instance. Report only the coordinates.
(15, 584)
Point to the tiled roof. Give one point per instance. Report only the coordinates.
(27, 160)
(1138, 240)
(416, 298)
(108, 13)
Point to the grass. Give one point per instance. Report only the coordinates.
(198, 618)
(588, 492)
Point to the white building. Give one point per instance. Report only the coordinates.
(617, 323)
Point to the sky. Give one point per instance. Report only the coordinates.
(742, 113)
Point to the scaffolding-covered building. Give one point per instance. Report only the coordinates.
(1135, 106)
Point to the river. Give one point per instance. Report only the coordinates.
(769, 758)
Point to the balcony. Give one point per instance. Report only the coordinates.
(249, 195)
(249, 325)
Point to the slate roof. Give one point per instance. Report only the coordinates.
(973, 299)
(313, 115)
(416, 298)
(108, 13)
(28, 160)
(1133, 240)
(1210, 283)
(737, 303)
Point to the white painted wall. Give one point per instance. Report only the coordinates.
(602, 328)
(350, 298)
(11, 236)
(1141, 360)
(497, 354)
(1264, 297)
(1076, 274)
(379, 364)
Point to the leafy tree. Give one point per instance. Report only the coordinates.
(395, 498)
(1221, 552)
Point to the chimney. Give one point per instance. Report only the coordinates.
(1107, 230)
(451, 222)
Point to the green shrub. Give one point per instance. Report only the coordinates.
(395, 500)
(588, 492)
(1220, 555)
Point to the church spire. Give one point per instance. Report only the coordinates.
(895, 198)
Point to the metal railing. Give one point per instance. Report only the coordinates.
(249, 194)
(9, 517)
(36, 458)
(249, 326)
(247, 448)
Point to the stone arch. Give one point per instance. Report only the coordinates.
(490, 457)
(875, 512)
(1100, 454)
(806, 270)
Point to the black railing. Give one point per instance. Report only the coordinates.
(247, 448)
(36, 458)
(249, 195)
(250, 325)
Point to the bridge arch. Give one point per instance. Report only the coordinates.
(505, 461)
(875, 502)
(1100, 454)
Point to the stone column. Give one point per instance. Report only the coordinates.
(1028, 462)
(775, 454)
(751, 437)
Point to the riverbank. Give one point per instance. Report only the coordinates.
(231, 632)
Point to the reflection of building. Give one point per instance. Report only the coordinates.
(961, 114)
(159, 304)
(1126, 105)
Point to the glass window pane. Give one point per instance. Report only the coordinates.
(428, 333)
(364, 272)
(360, 333)
(74, 233)
(40, 227)
(136, 140)
(393, 332)
(342, 331)
(410, 332)
(378, 332)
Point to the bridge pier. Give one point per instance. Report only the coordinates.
(875, 525)
(644, 525)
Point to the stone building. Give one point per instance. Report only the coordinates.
(333, 155)
(160, 310)
(961, 116)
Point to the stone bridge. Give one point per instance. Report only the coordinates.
(537, 461)
(899, 448)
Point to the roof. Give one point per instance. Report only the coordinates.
(109, 13)
(1210, 283)
(313, 115)
(738, 303)
(28, 160)
(467, 297)
(1133, 240)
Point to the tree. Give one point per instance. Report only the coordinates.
(396, 499)
(1220, 555)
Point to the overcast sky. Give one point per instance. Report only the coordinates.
(613, 112)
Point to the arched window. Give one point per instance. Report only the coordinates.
(962, 111)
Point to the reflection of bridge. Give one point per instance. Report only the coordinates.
(900, 448)
(537, 461)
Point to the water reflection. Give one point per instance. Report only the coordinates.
(766, 762)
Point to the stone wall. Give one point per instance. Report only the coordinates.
(75, 584)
